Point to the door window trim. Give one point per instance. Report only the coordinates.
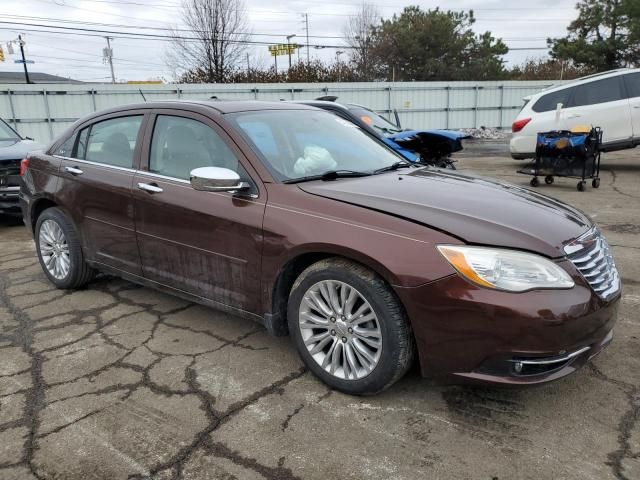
(145, 152)
(96, 164)
(144, 113)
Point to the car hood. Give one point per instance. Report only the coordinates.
(17, 149)
(443, 141)
(476, 210)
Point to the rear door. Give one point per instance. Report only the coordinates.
(204, 243)
(96, 174)
(632, 82)
(601, 103)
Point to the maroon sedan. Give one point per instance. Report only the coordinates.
(298, 219)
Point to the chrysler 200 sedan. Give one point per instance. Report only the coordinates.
(301, 220)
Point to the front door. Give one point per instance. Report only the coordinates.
(204, 243)
(96, 174)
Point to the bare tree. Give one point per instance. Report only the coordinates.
(358, 34)
(214, 42)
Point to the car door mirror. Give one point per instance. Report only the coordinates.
(216, 179)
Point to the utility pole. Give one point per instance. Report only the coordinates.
(248, 68)
(24, 61)
(306, 23)
(289, 37)
(107, 54)
(338, 53)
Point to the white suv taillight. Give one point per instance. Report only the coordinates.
(519, 125)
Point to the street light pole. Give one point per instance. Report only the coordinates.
(338, 53)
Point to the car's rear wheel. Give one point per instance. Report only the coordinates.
(349, 327)
(59, 250)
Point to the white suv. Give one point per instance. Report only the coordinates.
(609, 100)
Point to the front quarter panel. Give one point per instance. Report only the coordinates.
(298, 223)
(39, 182)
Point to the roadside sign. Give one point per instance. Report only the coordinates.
(283, 49)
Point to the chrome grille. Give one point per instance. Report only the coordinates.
(591, 255)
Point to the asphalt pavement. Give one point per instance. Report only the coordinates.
(118, 381)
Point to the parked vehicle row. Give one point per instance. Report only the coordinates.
(299, 219)
(608, 100)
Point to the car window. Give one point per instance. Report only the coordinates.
(600, 91)
(633, 84)
(550, 101)
(111, 142)
(373, 119)
(181, 144)
(304, 143)
(66, 149)
(7, 133)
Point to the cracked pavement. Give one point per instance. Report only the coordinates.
(119, 381)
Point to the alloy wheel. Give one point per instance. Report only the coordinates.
(340, 329)
(54, 249)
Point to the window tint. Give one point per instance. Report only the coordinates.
(181, 144)
(551, 100)
(633, 84)
(600, 91)
(111, 142)
(66, 149)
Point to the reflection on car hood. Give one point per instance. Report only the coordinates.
(476, 210)
(17, 149)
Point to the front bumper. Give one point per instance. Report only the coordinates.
(9, 203)
(465, 333)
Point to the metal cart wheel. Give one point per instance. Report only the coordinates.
(580, 186)
(595, 183)
(548, 179)
(534, 182)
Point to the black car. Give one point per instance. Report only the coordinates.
(13, 148)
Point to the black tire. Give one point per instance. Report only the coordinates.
(79, 272)
(398, 347)
(580, 186)
(534, 182)
(595, 183)
(548, 179)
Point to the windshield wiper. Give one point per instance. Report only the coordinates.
(393, 166)
(329, 175)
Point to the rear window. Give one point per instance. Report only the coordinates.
(551, 100)
(600, 91)
(633, 84)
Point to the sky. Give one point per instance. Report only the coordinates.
(524, 27)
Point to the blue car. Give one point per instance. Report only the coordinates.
(430, 147)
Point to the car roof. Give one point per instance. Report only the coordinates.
(220, 106)
(587, 79)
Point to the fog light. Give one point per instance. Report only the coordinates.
(518, 367)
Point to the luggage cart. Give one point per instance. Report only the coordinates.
(563, 153)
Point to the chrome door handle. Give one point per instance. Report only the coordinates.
(73, 170)
(148, 187)
(574, 115)
(636, 106)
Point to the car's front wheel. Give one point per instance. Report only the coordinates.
(59, 250)
(349, 327)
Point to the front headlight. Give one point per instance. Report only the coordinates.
(505, 269)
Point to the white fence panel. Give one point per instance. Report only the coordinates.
(43, 111)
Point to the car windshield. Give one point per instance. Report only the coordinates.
(296, 144)
(6, 133)
(373, 119)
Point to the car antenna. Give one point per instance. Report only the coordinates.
(143, 97)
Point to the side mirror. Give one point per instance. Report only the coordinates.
(216, 179)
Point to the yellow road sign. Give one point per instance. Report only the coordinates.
(282, 49)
